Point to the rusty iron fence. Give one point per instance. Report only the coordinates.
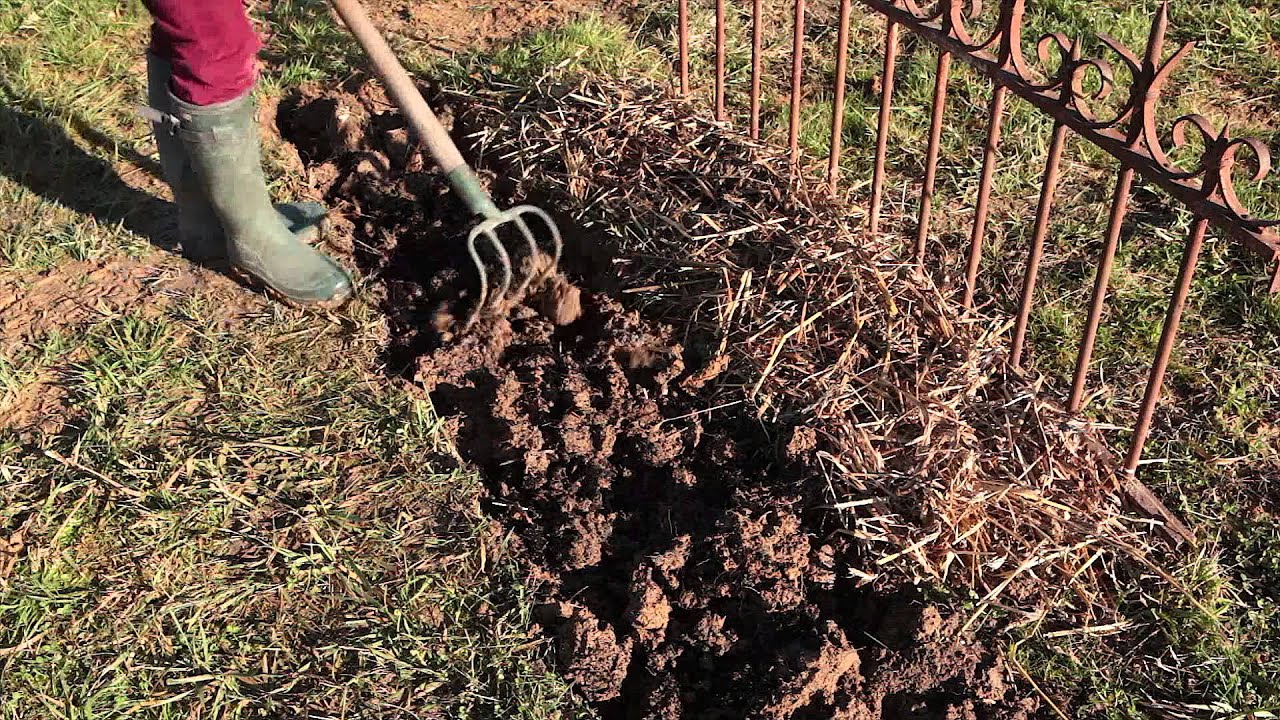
(1130, 135)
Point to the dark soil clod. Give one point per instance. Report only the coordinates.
(561, 302)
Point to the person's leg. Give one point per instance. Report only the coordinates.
(210, 45)
(201, 69)
(199, 230)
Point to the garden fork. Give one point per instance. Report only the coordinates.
(460, 176)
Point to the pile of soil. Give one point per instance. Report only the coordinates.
(670, 535)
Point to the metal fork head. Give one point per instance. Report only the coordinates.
(486, 234)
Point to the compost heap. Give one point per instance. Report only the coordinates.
(754, 430)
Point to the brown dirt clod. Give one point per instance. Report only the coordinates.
(561, 301)
(591, 654)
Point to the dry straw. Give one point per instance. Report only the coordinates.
(942, 463)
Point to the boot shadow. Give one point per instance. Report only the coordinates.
(38, 154)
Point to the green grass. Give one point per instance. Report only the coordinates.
(589, 45)
(307, 46)
(236, 519)
(69, 81)
(231, 528)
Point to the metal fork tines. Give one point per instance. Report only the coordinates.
(487, 231)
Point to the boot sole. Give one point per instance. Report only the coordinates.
(252, 281)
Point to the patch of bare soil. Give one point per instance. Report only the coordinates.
(672, 540)
(453, 26)
(34, 307)
(76, 294)
(76, 291)
(37, 407)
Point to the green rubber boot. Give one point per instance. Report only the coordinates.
(199, 232)
(221, 142)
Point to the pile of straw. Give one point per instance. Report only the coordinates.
(944, 464)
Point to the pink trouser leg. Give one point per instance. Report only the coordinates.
(210, 44)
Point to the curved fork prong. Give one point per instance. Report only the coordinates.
(493, 296)
(504, 260)
(484, 280)
(533, 251)
(556, 242)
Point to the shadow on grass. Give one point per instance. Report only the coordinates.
(41, 156)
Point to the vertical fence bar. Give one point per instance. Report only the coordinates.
(1048, 187)
(1119, 208)
(720, 12)
(797, 72)
(757, 38)
(1167, 338)
(837, 104)
(683, 44)
(882, 127)
(931, 158)
(1148, 93)
(995, 121)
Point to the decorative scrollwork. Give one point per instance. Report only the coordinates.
(950, 16)
(1072, 74)
(1071, 86)
(1217, 162)
(1149, 78)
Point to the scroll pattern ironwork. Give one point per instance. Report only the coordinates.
(1132, 136)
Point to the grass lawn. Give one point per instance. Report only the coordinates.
(216, 518)
(249, 518)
